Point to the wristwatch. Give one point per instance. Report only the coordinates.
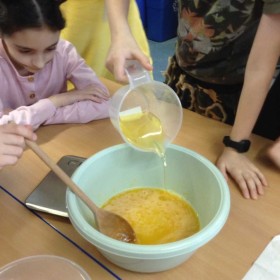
(241, 146)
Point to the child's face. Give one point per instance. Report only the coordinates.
(31, 49)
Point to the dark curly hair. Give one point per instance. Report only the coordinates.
(16, 15)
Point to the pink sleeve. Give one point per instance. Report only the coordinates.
(80, 112)
(81, 75)
(44, 112)
(34, 115)
(78, 72)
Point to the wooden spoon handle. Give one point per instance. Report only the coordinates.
(61, 174)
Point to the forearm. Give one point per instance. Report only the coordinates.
(80, 112)
(117, 12)
(33, 115)
(258, 76)
(124, 46)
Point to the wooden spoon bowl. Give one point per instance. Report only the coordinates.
(107, 222)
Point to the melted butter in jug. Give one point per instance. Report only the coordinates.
(157, 216)
(144, 130)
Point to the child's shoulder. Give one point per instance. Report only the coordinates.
(64, 45)
(65, 52)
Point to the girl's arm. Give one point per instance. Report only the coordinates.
(123, 44)
(78, 106)
(74, 107)
(259, 72)
(88, 101)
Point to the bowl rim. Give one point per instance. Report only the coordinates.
(179, 247)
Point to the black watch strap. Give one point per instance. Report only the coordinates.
(241, 147)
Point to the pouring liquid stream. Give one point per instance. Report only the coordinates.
(144, 130)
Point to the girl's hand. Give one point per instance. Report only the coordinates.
(12, 142)
(248, 177)
(90, 93)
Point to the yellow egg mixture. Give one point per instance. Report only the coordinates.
(157, 215)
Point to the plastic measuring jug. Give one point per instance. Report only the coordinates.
(147, 113)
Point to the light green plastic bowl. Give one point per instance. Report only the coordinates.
(121, 167)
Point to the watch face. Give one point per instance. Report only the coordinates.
(241, 147)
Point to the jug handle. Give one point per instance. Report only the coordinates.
(136, 74)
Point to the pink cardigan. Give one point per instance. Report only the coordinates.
(28, 96)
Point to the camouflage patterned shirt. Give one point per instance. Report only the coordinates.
(215, 37)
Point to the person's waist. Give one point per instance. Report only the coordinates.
(215, 72)
(227, 79)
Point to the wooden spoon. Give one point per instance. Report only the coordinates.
(107, 222)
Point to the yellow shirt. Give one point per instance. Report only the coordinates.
(87, 28)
